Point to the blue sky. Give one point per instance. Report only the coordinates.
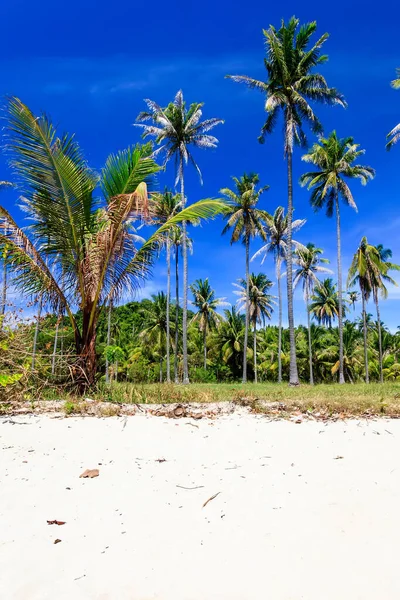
(90, 64)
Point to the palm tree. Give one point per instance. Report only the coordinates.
(166, 206)
(276, 230)
(3, 303)
(324, 305)
(353, 298)
(291, 84)
(176, 235)
(308, 261)
(175, 130)
(156, 326)
(394, 135)
(334, 159)
(260, 305)
(206, 304)
(75, 237)
(229, 338)
(246, 222)
(369, 268)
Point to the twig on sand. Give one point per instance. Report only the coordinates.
(193, 425)
(190, 488)
(209, 500)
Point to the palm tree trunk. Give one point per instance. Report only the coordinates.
(340, 293)
(205, 347)
(176, 377)
(108, 342)
(246, 329)
(35, 337)
(378, 316)
(278, 276)
(168, 305)
(53, 358)
(161, 361)
(185, 288)
(3, 292)
(255, 352)
(294, 377)
(365, 338)
(309, 343)
(116, 370)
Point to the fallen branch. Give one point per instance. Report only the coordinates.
(190, 488)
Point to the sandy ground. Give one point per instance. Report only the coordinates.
(305, 511)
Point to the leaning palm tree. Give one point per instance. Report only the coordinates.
(206, 304)
(167, 205)
(276, 230)
(261, 305)
(75, 237)
(3, 302)
(291, 84)
(324, 305)
(246, 221)
(176, 129)
(334, 160)
(394, 135)
(308, 260)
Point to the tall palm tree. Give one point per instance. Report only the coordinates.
(394, 135)
(176, 235)
(167, 205)
(176, 129)
(246, 221)
(290, 86)
(229, 339)
(276, 230)
(75, 237)
(369, 268)
(261, 305)
(334, 160)
(353, 298)
(206, 304)
(156, 326)
(308, 261)
(3, 302)
(324, 305)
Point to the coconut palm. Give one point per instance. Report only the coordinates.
(206, 304)
(369, 268)
(167, 205)
(229, 339)
(290, 86)
(276, 230)
(246, 221)
(156, 328)
(3, 302)
(176, 129)
(309, 264)
(261, 305)
(75, 237)
(335, 161)
(353, 298)
(324, 305)
(394, 135)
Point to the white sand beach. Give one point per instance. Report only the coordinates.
(304, 511)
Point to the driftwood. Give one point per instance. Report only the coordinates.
(178, 411)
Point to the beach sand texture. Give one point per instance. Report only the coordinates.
(304, 511)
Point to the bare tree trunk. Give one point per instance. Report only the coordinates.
(365, 338)
(246, 328)
(205, 347)
(53, 358)
(176, 376)
(3, 292)
(378, 316)
(278, 276)
(255, 352)
(309, 343)
(340, 293)
(185, 290)
(108, 342)
(35, 337)
(168, 305)
(294, 377)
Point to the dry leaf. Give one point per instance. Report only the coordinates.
(57, 541)
(209, 500)
(90, 473)
(55, 522)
